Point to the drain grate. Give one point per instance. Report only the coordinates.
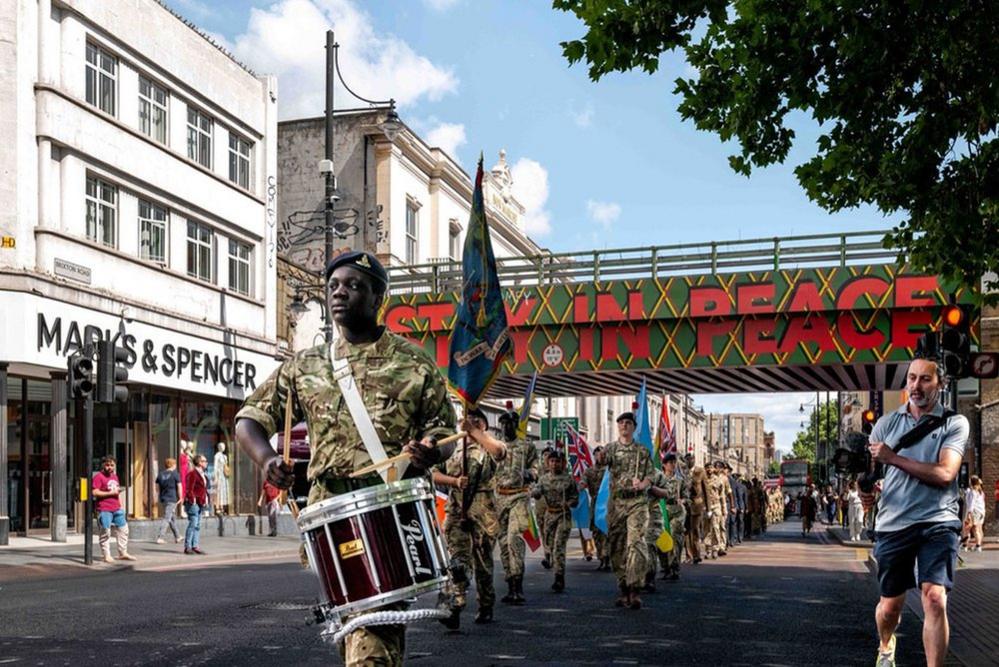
(280, 606)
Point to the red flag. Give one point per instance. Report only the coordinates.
(665, 435)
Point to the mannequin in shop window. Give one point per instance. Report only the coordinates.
(221, 479)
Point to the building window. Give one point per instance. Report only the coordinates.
(412, 229)
(102, 79)
(152, 232)
(102, 212)
(199, 251)
(239, 267)
(454, 239)
(199, 137)
(152, 110)
(239, 160)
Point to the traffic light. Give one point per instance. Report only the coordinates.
(111, 372)
(81, 372)
(867, 418)
(955, 341)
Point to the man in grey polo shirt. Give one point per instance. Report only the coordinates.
(918, 527)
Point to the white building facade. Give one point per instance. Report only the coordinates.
(140, 168)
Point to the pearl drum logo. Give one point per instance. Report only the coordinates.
(416, 546)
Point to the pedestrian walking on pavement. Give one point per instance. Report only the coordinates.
(109, 510)
(195, 503)
(269, 500)
(808, 505)
(918, 522)
(975, 502)
(856, 511)
(171, 491)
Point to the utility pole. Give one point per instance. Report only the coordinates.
(330, 177)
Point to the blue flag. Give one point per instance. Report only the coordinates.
(600, 507)
(643, 431)
(480, 338)
(581, 513)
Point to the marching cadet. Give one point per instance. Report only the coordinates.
(470, 524)
(593, 476)
(714, 540)
(541, 515)
(513, 475)
(676, 492)
(655, 528)
(698, 508)
(631, 471)
(561, 495)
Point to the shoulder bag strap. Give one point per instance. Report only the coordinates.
(921, 430)
(358, 412)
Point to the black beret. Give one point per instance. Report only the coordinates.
(669, 457)
(362, 261)
(509, 416)
(557, 454)
(629, 416)
(476, 412)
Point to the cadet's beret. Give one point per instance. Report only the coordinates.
(362, 261)
(476, 412)
(627, 416)
(669, 457)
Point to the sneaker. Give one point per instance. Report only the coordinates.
(160, 540)
(126, 556)
(886, 658)
(979, 548)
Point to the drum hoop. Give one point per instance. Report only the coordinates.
(390, 597)
(363, 501)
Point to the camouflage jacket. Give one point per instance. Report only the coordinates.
(627, 462)
(678, 490)
(559, 491)
(593, 476)
(716, 493)
(521, 457)
(481, 468)
(399, 383)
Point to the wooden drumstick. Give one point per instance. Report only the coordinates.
(404, 456)
(288, 416)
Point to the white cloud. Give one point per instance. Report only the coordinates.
(530, 187)
(583, 117)
(448, 137)
(603, 212)
(440, 5)
(288, 38)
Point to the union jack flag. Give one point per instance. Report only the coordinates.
(579, 453)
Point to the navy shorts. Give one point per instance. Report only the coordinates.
(921, 553)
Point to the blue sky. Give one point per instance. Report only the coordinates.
(599, 165)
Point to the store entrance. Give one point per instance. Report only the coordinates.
(29, 461)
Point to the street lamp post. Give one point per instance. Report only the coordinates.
(801, 408)
(390, 127)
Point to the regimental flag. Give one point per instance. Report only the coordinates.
(579, 453)
(525, 408)
(480, 338)
(532, 536)
(665, 435)
(643, 431)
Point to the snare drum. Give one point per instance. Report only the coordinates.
(375, 546)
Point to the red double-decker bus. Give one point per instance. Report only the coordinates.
(795, 476)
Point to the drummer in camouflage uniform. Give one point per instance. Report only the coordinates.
(470, 521)
(401, 388)
(561, 494)
(511, 479)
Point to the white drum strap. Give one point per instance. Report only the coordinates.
(362, 420)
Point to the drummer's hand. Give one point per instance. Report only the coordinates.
(279, 473)
(423, 454)
(461, 482)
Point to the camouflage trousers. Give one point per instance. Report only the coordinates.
(714, 541)
(472, 550)
(557, 527)
(670, 561)
(513, 521)
(599, 541)
(656, 559)
(382, 645)
(627, 523)
(675, 556)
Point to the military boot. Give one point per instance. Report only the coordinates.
(624, 599)
(511, 591)
(650, 582)
(484, 615)
(452, 622)
(634, 601)
(546, 562)
(518, 591)
(559, 584)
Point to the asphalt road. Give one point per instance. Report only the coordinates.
(782, 600)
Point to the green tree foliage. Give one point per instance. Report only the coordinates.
(828, 427)
(905, 95)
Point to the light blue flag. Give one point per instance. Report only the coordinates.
(643, 432)
(581, 513)
(600, 507)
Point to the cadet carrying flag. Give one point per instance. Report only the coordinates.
(480, 339)
(525, 409)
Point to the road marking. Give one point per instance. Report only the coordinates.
(7, 660)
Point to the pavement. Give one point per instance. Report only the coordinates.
(40, 557)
